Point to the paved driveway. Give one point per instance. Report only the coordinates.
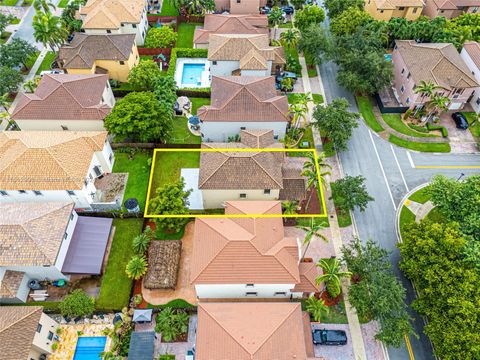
(344, 352)
(195, 199)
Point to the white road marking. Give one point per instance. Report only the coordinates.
(399, 168)
(410, 159)
(383, 170)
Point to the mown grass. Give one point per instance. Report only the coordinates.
(293, 52)
(181, 134)
(47, 62)
(396, 123)
(420, 146)
(366, 110)
(421, 196)
(185, 35)
(168, 9)
(475, 129)
(344, 218)
(198, 102)
(406, 217)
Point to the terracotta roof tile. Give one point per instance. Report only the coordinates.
(110, 14)
(308, 276)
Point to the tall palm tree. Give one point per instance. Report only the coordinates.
(289, 38)
(313, 229)
(332, 275)
(298, 112)
(303, 99)
(49, 30)
(136, 267)
(275, 17)
(43, 6)
(289, 207)
(314, 180)
(438, 104)
(316, 308)
(426, 89)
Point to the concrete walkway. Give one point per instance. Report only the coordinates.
(418, 209)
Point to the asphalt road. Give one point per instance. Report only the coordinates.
(390, 172)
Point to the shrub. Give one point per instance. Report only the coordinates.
(54, 346)
(186, 53)
(78, 303)
(407, 114)
(162, 37)
(293, 65)
(171, 323)
(136, 267)
(438, 127)
(418, 128)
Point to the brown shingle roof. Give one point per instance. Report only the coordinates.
(47, 160)
(84, 50)
(244, 250)
(110, 14)
(437, 62)
(65, 97)
(250, 331)
(294, 184)
(245, 98)
(18, 325)
(10, 283)
(31, 233)
(230, 24)
(455, 4)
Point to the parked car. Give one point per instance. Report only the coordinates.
(54, 71)
(329, 337)
(288, 10)
(460, 120)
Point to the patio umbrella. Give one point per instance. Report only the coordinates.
(194, 120)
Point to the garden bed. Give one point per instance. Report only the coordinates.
(396, 123)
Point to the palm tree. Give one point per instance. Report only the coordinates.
(136, 267)
(289, 38)
(5, 103)
(298, 112)
(316, 308)
(29, 86)
(140, 243)
(43, 6)
(310, 172)
(332, 275)
(438, 104)
(289, 207)
(426, 89)
(303, 99)
(49, 30)
(313, 229)
(275, 17)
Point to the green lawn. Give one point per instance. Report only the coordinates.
(396, 123)
(328, 147)
(168, 9)
(336, 314)
(287, 25)
(293, 98)
(181, 134)
(160, 234)
(185, 35)
(421, 196)
(8, 2)
(138, 168)
(294, 53)
(366, 110)
(168, 166)
(406, 217)
(198, 102)
(116, 286)
(63, 3)
(47, 62)
(419, 146)
(475, 129)
(344, 218)
(15, 21)
(4, 36)
(307, 221)
(435, 216)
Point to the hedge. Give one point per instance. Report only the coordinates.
(444, 131)
(175, 304)
(185, 53)
(194, 92)
(49, 307)
(418, 128)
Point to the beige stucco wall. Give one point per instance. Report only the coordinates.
(75, 125)
(244, 6)
(81, 71)
(215, 199)
(41, 343)
(409, 13)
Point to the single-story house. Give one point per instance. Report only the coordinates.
(256, 175)
(47, 240)
(115, 17)
(471, 55)
(439, 63)
(26, 333)
(142, 345)
(114, 55)
(388, 9)
(229, 24)
(249, 257)
(68, 166)
(244, 54)
(450, 8)
(240, 6)
(66, 102)
(243, 102)
(253, 331)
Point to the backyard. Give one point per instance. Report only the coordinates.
(185, 34)
(168, 9)
(181, 134)
(116, 286)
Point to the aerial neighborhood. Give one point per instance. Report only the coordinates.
(239, 179)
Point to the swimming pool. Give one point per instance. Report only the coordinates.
(90, 347)
(388, 57)
(192, 74)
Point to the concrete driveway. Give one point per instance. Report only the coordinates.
(343, 352)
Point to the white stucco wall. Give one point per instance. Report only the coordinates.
(215, 199)
(234, 291)
(476, 73)
(55, 125)
(256, 72)
(223, 68)
(221, 130)
(40, 272)
(62, 252)
(40, 340)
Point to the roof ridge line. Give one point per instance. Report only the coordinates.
(22, 318)
(215, 171)
(265, 171)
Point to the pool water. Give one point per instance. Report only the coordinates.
(89, 348)
(192, 74)
(388, 57)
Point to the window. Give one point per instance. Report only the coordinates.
(442, 11)
(70, 192)
(109, 31)
(408, 76)
(39, 328)
(134, 26)
(122, 62)
(50, 335)
(3, 193)
(280, 293)
(214, 63)
(110, 158)
(71, 216)
(65, 236)
(64, 127)
(275, 137)
(408, 100)
(415, 10)
(402, 89)
(243, 128)
(36, 192)
(238, 1)
(22, 192)
(250, 285)
(266, 191)
(401, 8)
(252, 293)
(474, 9)
(403, 71)
(381, 11)
(243, 196)
(122, 24)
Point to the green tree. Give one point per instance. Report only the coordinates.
(140, 242)
(136, 267)
(313, 229)
(43, 6)
(313, 177)
(337, 122)
(141, 117)
(349, 21)
(49, 30)
(171, 199)
(332, 275)
(9, 80)
(142, 76)
(162, 37)
(164, 87)
(298, 112)
(4, 102)
(4, 21)
(352, 192)
(194, 7)
(29, 86)
(309, 15)
(316, 308)
(337, 7)
(72, 24)
(275, 17)
(171, 323)
(426, 88)
(289, 207)
(78, 303)
(437, 104)
(316, 43)
(289, 38)
(15, 53)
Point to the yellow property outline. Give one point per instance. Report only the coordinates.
(155, 151)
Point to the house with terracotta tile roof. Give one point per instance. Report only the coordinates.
(240, 6)
(47, 240)
(69, 166)
(26, 333)
(229, 24)
(471, 55)
(115, 17)
(114, 55)
(249, 257)
(253, 331)
(387, 9)
(450, 8)
(65, 102)
(243, 102)
(439, 63)
(244, 54)
(249, 175)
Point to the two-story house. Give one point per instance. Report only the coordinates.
(114, 55)
(65, 102)
(439, 63)
(47, 241)
(387, 9)
(471, 55)
(68, 166)
(243, 102)
(249, 257)
(26, 333)
(450, 8)
(240, 6)
(244, 54)
(115, 17)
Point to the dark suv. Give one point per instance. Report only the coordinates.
(460, 120)
(329, 337)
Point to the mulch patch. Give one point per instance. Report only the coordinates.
(181, 338)
(137, 289)
(314, 207)
(328, 300)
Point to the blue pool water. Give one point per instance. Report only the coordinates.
(388, 57)
(192, 74)
(89, 348)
